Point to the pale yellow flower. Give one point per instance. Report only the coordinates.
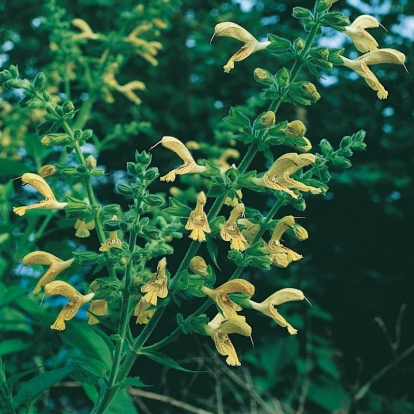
(251, 44)
(197, 221)
(360, 66)
(231, 232)
(76, 300)
(220, 295)
(86, 31)
(142, 311)
(281, 296)
(363, 41)
(219, 330)
(189, 166)
(112, 241)
(42, 186)
(82, 228)
(98, 307)
(278, 175)
(156, 287)
(55, 264)
(127, 89)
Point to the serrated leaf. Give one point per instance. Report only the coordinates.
(32, 389)
(236, 118)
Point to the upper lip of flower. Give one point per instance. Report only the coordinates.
(251, 44)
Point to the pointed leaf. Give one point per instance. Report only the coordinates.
(164, 360)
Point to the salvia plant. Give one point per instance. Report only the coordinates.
(136, 287)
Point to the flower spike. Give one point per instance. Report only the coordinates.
(197, 221)
(251, 44)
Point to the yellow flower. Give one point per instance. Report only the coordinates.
(278, 175)
(86, 31)
(98, 307)
(42, 186)
(47, 171)
(144, 48)
(156, 287)
(189, 166)
(197, 222)
(220, 296)
(142, 312)
(251, 44)
(127, 89)
(363, 41)
(82, 228)
(43, 258)
(230, 231)
(76, 300)
(281, 296)
(219, 329)
(360, 66)
(112, 241)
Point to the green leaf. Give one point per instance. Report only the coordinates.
(283, 77)
(236, 118)
(32, 389)
(132, 382)
(216, 190)
(212, 251)
(177, 209)
(12, 346)
(164, 360)
(278, 43)
(211, 171)
(94, 366)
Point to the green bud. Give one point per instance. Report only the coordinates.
(151, 174)
(263, 76)
(35, 103)
(5, 74)
(39, 81)
(46, 96)
(47, 171)
(154, 200)
(51, 140)
(151, 231)
(302, 13)
(341, 162)
(67, 107)
(90, 162)
(299, 43)
(143, 157)
(14, 71)
(125, 190)
(326, 147)
(310, 91)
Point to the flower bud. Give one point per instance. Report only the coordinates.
(47, 171)
(268, 119)
(91, 162)
(198, 265)
(299, 43)
(263, 76)
(310, 90)
(296, 129)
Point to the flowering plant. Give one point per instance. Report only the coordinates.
(136, 285)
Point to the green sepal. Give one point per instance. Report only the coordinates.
(236, 118)
(341, 162)
(176, 208)
(211, 169)
(253, 215)
(153, 200)
(282, 78)
(278, 43)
